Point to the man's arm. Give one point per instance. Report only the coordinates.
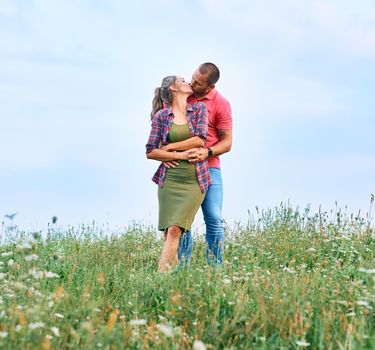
(225, 143)
(221, 147)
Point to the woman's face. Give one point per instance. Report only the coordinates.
(182, 86)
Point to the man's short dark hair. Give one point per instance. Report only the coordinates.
(212, 71)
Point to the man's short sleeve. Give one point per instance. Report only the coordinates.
(224, 116)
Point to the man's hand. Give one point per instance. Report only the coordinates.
(197, 154)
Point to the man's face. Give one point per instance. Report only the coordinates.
(199, 84)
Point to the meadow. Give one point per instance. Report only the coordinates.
(291, 279)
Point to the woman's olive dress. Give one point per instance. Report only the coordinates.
(180, 197)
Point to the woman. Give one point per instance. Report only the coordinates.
(176, 128)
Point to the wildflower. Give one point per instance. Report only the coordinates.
(36, 274)
(178, 331)
(361, 269)
(137, 322)
(59, 315)
(112, 320)
(18, 328)
(311, 249)
(49, 274)
(59, 293)
(364, 303)
(87, 325)
(11, 262)
(226, 281)
(31, 257)
(3, 334)
(24, 246)
(5, 254)
(287, 269)
(19, 286)
(97, 310)
(36, 325)
(55, 331)
(3, 314)
(302, 343)
(2, 275)
(199, 345)
(50, 304)
(236, 279)
(101, 279)
(166, 330)
(22, 321)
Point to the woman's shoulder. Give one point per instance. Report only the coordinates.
(161, 113)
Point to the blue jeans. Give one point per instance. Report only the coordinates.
(211, 207)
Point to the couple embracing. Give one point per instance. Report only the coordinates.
(191, 126)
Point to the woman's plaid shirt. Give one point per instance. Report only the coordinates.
(197, 119)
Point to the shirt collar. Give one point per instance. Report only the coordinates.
(189, 108)
(208, 96)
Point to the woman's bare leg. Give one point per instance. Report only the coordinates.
(168, 256)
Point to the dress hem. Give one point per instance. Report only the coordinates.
(183, 227)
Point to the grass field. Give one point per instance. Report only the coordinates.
(291, 280)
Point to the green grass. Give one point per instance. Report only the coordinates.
(289, 278)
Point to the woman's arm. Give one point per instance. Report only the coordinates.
(192, 142)
(155, 134)
(200, 132)
(166, 156)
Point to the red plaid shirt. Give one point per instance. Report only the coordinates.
(197, 121)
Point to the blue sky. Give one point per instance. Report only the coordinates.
(77, 79)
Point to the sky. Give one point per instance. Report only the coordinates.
(77, 80)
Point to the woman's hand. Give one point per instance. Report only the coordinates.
(181, 155)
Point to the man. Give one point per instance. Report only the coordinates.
(219, 141)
